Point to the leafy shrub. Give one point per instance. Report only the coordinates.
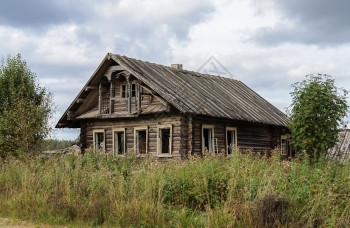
(25, 109)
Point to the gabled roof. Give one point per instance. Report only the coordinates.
(196, 93)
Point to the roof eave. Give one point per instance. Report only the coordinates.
(63, 119)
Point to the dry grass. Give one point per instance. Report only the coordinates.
(240, 191)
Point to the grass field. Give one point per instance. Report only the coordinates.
(240, 191)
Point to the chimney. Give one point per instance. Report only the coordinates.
(177, 66)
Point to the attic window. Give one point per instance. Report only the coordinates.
(123, 91)
(133, 90)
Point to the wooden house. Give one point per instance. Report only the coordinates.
(133, 106)
(341, 150)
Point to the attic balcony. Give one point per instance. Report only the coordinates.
(105, 107)
(119, 98)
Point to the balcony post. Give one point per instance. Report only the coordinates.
(99, 97)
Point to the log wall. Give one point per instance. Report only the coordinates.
(250, 136)
(151, 121)
(186, 133)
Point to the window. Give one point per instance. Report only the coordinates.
(123, 91)
(140, 140)
(284, 145)
(207, 138)
(164, 140)
(231, 140)
(119, 141)
(133, 90)
(99, 140)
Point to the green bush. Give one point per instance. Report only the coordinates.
(25, 109)
(316, 115)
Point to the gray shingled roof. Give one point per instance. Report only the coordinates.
(188, 91)
(196, 93)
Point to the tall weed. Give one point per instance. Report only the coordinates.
(237, 191)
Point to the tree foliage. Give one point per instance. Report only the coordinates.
(25, 108)
(317, 110)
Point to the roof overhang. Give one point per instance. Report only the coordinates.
(67, 120)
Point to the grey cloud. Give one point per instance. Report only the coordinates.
(145, 33)
(317, 12)
(319, 22)
(35, 14)
(181, 24)
(175, 22)
(141, 32)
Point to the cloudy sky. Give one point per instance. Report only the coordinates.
(267, 44)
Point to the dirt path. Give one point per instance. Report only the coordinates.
(16, 223)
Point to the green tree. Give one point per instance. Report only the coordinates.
(316, 113)
(25, 108)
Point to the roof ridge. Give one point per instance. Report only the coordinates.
(191, 72)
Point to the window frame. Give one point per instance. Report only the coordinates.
(133, 92)
(115, 130)
(235, 139)
(286, 152)
(212, 143)
(159, 140)
(136, 129)
(94, 132)
(125, 92)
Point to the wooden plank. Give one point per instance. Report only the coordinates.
(88, 88)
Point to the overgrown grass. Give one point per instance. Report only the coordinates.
(240, 191)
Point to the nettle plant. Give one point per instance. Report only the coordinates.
(316, 114)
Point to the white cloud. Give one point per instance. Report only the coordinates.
(61, 45)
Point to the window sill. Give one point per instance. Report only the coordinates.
(164, 155)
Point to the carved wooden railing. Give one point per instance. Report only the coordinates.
(104, 109)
